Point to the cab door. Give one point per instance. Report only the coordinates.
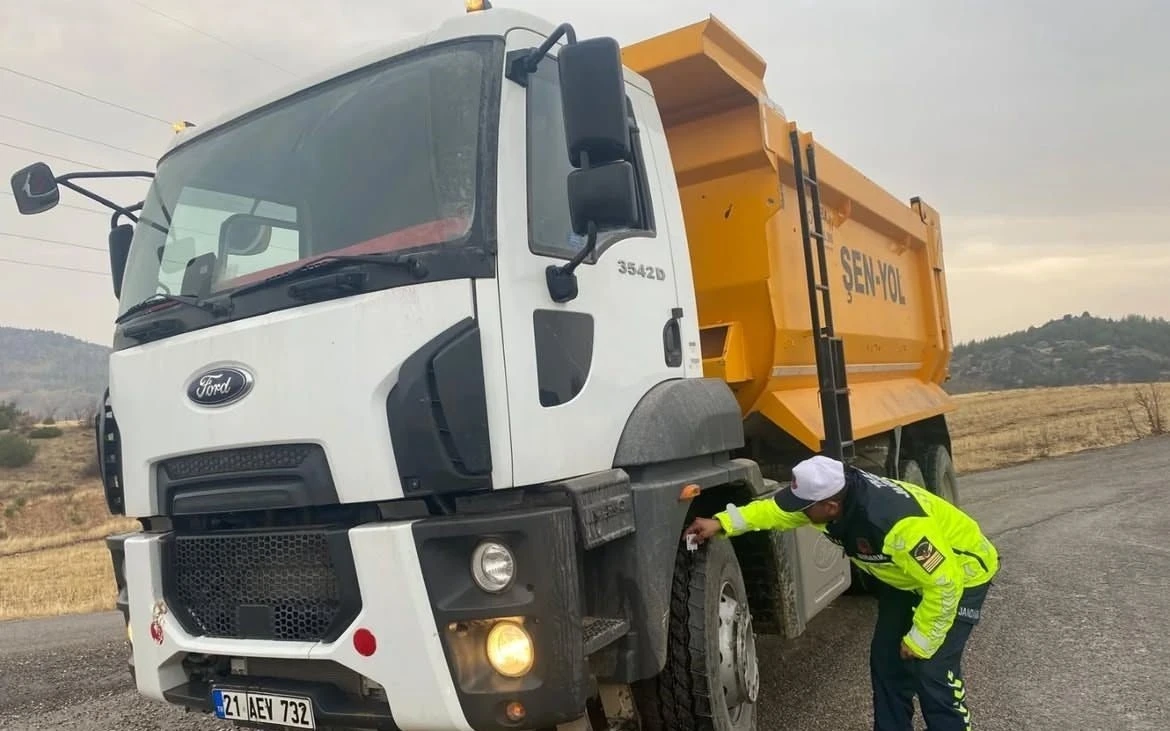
(575, 370)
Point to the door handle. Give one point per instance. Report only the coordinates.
(672, 339)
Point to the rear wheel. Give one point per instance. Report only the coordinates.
(939, 469)
(909, 471)
(711, 678)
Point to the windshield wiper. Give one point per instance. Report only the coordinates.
(407, 261)
(183, 299)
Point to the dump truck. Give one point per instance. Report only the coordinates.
(422, 366)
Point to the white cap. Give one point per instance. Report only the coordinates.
(814, 479)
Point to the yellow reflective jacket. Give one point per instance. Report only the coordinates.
(903, 535)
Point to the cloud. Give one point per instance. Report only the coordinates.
(1036, 129)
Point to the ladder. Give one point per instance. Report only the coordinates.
(830, 352)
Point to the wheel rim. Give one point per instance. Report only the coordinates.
(739, 673)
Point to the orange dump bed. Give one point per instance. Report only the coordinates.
(733, 160)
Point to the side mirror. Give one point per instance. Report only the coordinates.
(593, 99)
(605, 196)
(602, 192)
(35, 189)
(597, 132)
(120, 237)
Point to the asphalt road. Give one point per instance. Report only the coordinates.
(1075, 635)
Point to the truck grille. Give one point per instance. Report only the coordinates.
(279, 585)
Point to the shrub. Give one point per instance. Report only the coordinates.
(16, 451)
(49, 421)
(9, 415)
(45, 432)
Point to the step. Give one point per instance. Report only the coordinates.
(600, 632)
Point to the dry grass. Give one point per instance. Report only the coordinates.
(53, 514)
(53, 518)
(57, 581)
(1000, 428)
(60, 466)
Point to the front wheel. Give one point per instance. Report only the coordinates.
(711, 678)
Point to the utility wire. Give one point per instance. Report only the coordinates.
(53, 241)
(55, 157)
(215, 38)
(91, 97)
(75, 136)
(94, 211)
(54, 266)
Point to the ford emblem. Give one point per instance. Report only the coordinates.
(220, 387)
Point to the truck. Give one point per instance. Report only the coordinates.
(422, 366)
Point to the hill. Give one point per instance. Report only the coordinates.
(1071, 351)
(50, 374)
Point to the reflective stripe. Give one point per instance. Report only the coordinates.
(960, 693)
(919, 639)
(737, 522)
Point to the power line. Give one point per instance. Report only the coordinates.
(53, 241)
(54, 266)
(91, 97)
(75, 136)
(94, 211)
(55, 157)
(215, 38)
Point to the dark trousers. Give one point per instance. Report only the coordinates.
(938, 682)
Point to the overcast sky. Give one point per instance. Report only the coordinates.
(1038, 128)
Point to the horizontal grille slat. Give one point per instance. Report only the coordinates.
(244, 459)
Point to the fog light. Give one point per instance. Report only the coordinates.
(492, 566)
(129, 635)
(509, 650)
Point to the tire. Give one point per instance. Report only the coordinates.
(939, 469)
(909, 471)
(689, 693)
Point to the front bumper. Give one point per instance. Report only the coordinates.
(418, 599)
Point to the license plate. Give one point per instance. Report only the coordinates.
(281, 710)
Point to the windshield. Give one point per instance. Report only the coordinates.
(385, 159)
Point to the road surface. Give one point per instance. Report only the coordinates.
(1074, 634)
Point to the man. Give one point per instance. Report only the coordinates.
(933, 562)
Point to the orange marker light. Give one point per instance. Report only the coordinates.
(690, 492)
(515, 711)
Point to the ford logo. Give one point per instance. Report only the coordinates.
(220, 387)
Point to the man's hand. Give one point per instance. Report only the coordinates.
(907, 653)
(702, 529)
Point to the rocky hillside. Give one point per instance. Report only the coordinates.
(50, 374)
(1071, 351)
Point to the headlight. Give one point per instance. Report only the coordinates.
(492, 566)
(509, 650)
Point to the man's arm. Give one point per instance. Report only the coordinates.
(762, 514)
(918, 547)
